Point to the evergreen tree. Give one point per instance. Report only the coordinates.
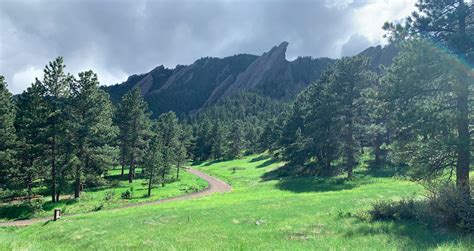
(297, 151)
(235, 140)
(153, 162)
(422, 91)
(134, 124)
(91, 118)
(203, 146)
(184, 141)
(316, 117)
(30, 123)
(7, 132)
(347, 79)
(218, 141)
(56, 85)
(374, 123)
(168, 130)
(449, 24)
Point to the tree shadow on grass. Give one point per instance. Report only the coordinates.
(267, 163)
(410, 235)
(214, 162)
(259, 158)
(15, 212)
(318, 184)
(294, 180)
(48, 206)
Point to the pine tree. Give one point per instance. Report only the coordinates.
(56, 85)
(30, 123)
(153, 162)
(203, 147)
(422, 88)
(134, 124)
(91, 118)
(236, 140)
(316, 114)
(449, 24)
(297, 151)
(217, 141)
(374, 123)
(184, 142)
(168, 129)
(7, 132)
(347, 79)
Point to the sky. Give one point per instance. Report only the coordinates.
(118, 38)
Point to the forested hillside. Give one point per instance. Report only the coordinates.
(187, 90)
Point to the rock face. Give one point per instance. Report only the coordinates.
(380, 55)
(187, 89)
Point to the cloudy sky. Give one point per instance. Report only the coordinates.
(117, 38)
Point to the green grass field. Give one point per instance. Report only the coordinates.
(259, 214)
(95, 199)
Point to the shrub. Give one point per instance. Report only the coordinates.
(444, 206)
(99, 207)
(109, 195)
(34, 206)
(95, 181)
(127, 194)
(404, 209)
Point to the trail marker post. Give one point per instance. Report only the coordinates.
(57, 214)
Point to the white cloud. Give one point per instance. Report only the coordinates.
(23, 78)
(369, 18)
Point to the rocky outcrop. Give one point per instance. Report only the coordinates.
(187, 89)
(380, 55)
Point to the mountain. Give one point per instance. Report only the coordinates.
(188, 89)
(380, 55)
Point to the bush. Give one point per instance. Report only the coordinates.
(95, 181)
(405, 209)
(99, 207)
(127, 194)
(34, 206)
(444, 206)
(109, 195)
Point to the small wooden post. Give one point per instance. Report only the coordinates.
(57, 214)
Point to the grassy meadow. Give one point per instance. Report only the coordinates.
(107, 196)
(261, 213)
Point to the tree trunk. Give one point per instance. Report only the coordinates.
(377, 152)
(463, 147)
(163, 180)
(57, 195)
(29, 183)
(349, 150)
(53, 172)
(464, 140)
(130, 174)
(131, 171)
(123, 165)
(177, 172)
(77, 190)
(149, 183)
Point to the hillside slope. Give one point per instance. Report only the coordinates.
(187, 89)
(260, 213)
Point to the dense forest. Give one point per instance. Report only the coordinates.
(414, 114)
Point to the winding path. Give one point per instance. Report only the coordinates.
(215, 186)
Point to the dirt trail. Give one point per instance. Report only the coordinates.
(215, 186)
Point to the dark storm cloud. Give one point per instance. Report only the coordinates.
(119, 38)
